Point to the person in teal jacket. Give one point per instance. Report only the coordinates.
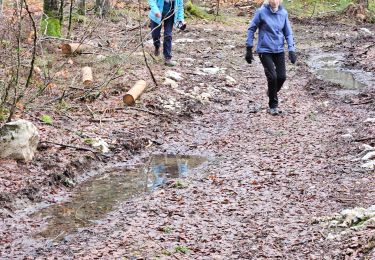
(169, 12)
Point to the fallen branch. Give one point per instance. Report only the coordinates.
(148, 111)
(364, 139)
(143, 46)
(104, 120)
(362, 103)
(70, 146)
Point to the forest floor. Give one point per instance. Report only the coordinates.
(266, 179)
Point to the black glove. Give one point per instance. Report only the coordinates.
(292, 57)
(249, 54)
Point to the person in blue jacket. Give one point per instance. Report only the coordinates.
(169, 12)
(274, 28)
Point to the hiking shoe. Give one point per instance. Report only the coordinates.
(157, 51)
(274, 111)
(169, 63)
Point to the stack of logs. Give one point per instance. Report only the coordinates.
(87, 75)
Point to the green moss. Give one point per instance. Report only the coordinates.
(166, 252)
(168, 229)
(179, 185)
(78, 18)
(63, 105)
(46, 119)
(195, 11)
(371, 16)
(51, 27)
(308, 8)
(3, 113)
(181, 249)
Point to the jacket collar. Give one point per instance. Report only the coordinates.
(269, 8)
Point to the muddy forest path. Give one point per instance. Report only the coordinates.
(266, 179)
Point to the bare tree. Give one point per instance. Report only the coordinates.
(51, 6)
(1, 8)
(364, 3)
(102, 7)
(82, 7)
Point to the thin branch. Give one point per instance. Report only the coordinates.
(13, 108)
(34, 52)
(143, 47)
(316, 2)
(70, 18)
(148, 111)
(364, 139)
(114, 75)
(71, 146)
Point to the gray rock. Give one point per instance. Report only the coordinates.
(365, 31)
(369, 156)
(18, 140)
(170, 82)
(370, 120)
(369, 165)
(230, 81)
(173, 75)
(211, 71)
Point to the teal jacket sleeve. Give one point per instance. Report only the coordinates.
(288, 33)
(253, 28)
(180, 10)
(154, 7)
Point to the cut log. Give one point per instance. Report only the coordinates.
(69, 48)
(87, 78)
(134, 92)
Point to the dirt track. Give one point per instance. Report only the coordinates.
(267, 177)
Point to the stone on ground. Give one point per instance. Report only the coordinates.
(18, 140)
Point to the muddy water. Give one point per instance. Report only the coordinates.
(100, 195)
(328, 67)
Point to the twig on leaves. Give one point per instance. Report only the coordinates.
(148, 111)
(91, 112)
(16, 80)
(364, 139)
(143, 46)
(62, 232)
(101, 86)
(71, 146)
(104, 120)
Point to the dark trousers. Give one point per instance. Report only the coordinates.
(274, 68)
(168, 10)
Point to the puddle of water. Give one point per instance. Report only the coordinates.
(344, 78)
(100, 195)
(328, 67)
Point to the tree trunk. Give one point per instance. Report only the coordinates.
(51, 22)
(363, 3)
(102, 7)
(51, 6)
(82, 7)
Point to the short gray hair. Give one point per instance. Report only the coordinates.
(267, 2)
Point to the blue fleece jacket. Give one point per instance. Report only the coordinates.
(273, 28)
(157, 7)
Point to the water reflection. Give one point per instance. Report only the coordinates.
(343, 78)
(98, 196)
(328, 67)
(164, 167)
